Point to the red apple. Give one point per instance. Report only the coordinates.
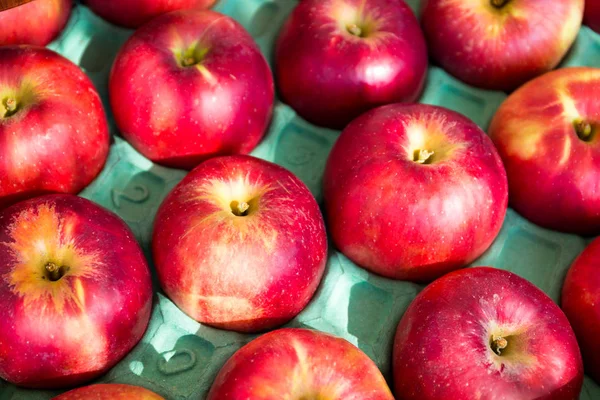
(76, 291)
(37, 22)
(547, 134)
(53, 131)
(336, 59)
(240, 244)
(591, 15)
(485, 333)
(109, 391)
(134, 13)
(581, 304)
(500, 44)
(191, 85)
(299, 364)
(414, 191)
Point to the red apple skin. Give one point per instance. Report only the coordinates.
(591, 15)
(330, 76)
(62, 333)
(135, 13)
(411, 221)
(299, 364)
(109, 391)
(37, 22)
(581, 303)
(442, 348)
(552, 173)
(244, 273)
(500, 48)
(58, 139)
(178, 116)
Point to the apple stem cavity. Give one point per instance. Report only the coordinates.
(498, 344)
(355, 30)
(54, 272)
(239, 208)
(188, 61)
(423, 156)
(499, 3)
(9, 107)
(584, 130)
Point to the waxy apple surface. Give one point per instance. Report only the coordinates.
(37, 22)
(500, 44)
(414, 191)
(299, 364)
(134, 13)
(485, 333)
(581, 303)
(240, 244)
(336, 59)
(53, 131)
(191, 85)
(109, 391)
(548, 135)
(75, 290)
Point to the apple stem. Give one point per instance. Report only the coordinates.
(498, 344)
(499, 3)
(239, 208)
(188, 61)
(355, 30)
(422, 156)
(583, 129)
(53, 271)
(9, 106)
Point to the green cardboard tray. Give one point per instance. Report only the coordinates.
(178, 357)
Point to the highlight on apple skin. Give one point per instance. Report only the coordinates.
(581, 303)
(191, 85)
(485, 333)
(36, 23)
(336, 59)
(53, 131)
(135, 13)
(414, 191)
(547, 135)
(240, 244)
(299, 364)
(109, 391)
(500, 44)
(75, 288)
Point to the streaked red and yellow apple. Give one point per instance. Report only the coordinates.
(240, 244)
(500, 44)
(109, 391)
(336, 59)
(191, 85)
(53, 131)
(548, 135)
(485, 333)
(36, 22)
(76, 291)
(414, 191)
(299, 364)
(581, 303)
(134, 13)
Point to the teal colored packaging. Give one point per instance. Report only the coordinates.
(178, 357)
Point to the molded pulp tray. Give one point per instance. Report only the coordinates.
(178, 357)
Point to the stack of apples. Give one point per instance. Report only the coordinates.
(411, 192)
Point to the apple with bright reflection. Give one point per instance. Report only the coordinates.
(190, 85)
(37, 22)
(500, 44)
(591, 15)
(548, 135)
(134, 13)
(414, 191)
(76, 291)
(109, 391)
(240, 244)
(581, 303)
(485, 333)
(53, 131)
(298, 364)
(336, 59)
